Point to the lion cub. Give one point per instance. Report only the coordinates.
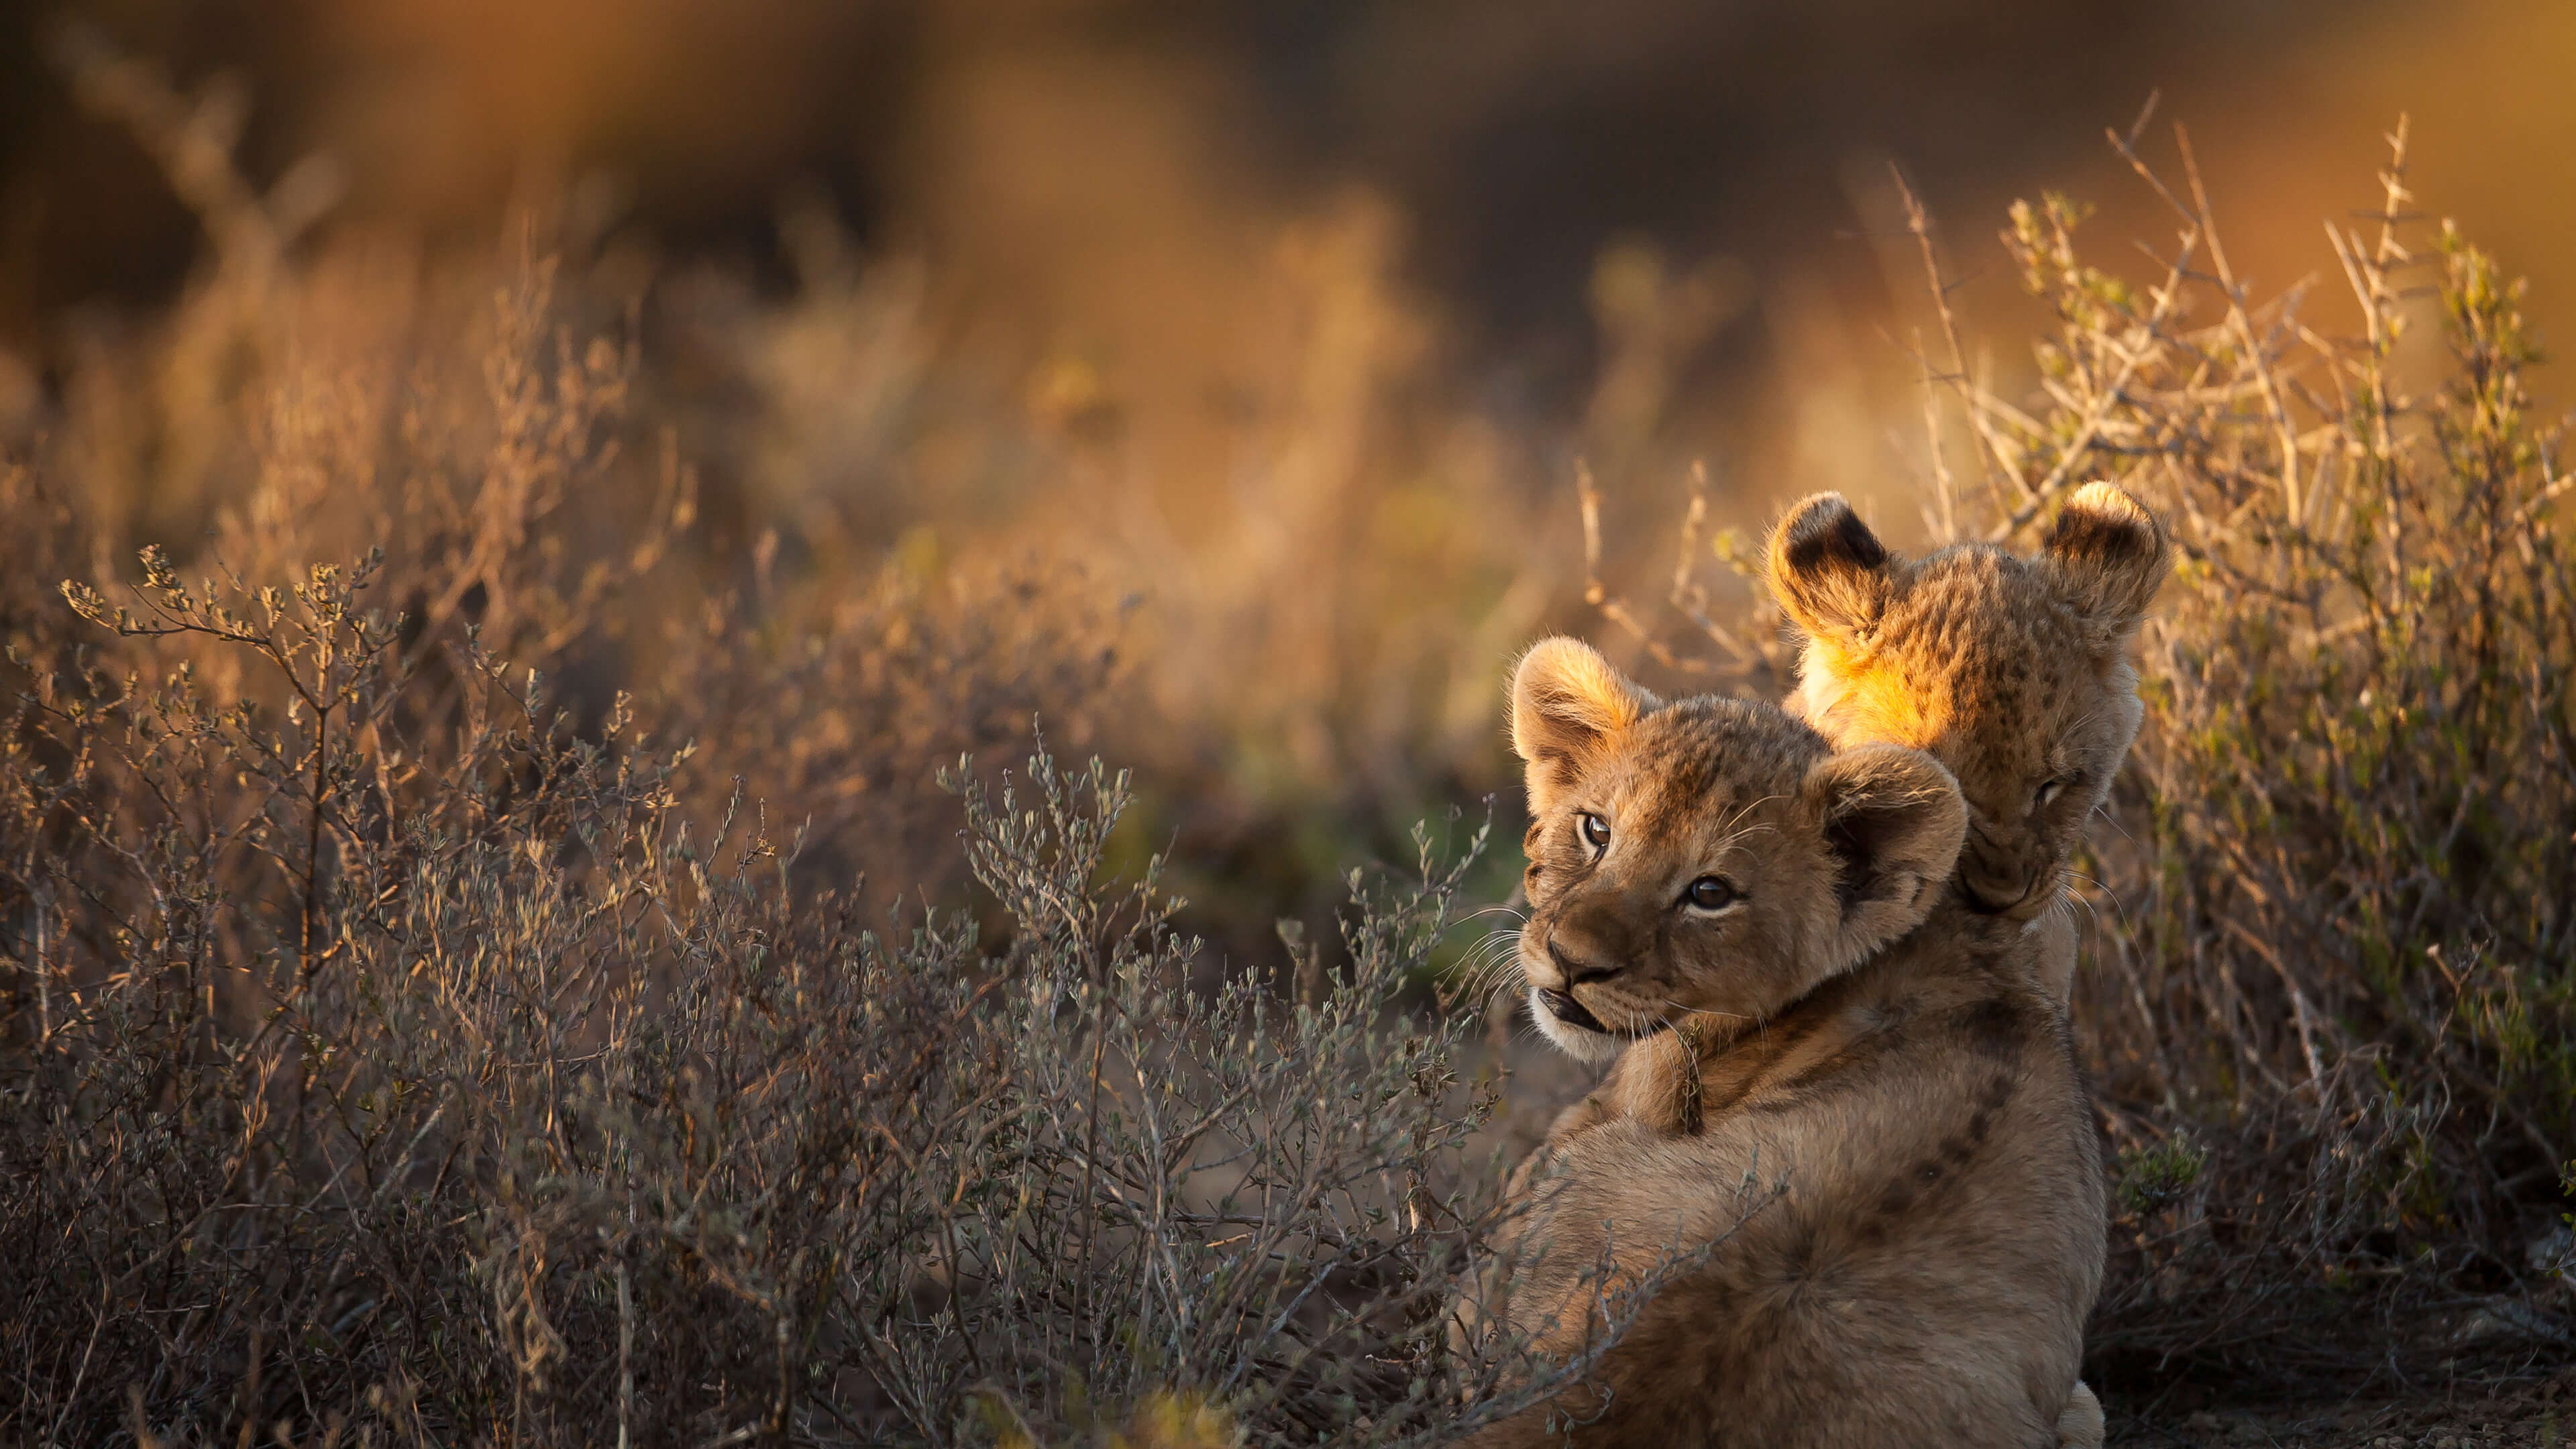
(2012, 672)
(1926, 1274)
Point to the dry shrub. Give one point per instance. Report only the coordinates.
(439, 1008)
(435, 1074)
(490, 424)
(2342, 957)
(837, 705)
(2332, 998)
(489, 449)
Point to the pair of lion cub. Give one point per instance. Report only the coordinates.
(1836, 957)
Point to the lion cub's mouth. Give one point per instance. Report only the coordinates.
(1563, 1006)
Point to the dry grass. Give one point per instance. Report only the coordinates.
(446, 999)
(2343, 955)
(447, 1082)
(398, 1061)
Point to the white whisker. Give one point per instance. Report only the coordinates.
(1705, 1011)
(2104, 810)
(2104, 889)
(1747, 808)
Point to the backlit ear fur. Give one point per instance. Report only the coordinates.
(1568, 705)
(2113, 555)
(1894, 820)
(1830, 573)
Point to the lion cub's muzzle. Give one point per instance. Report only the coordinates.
(1583, 964)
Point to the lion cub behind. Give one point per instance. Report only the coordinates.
(1926, 1273)
(2013, 672)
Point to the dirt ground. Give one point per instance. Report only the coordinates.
(2541, 1413)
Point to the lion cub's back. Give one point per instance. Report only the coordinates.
(1952, 1251)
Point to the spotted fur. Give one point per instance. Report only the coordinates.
(2012, 671)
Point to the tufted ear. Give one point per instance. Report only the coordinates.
(1828, 570)
(1894, 821)
(2112, 554)
(1568, 705)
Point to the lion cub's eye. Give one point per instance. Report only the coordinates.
(1596, 831)
(2053, 788)
(1710, 893)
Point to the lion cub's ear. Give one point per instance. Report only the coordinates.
(2112, 554)
(1568, 706)
(1893, 820)
(1830, 573)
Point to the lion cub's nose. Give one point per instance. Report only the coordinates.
(1575, 969)
(1999, 876)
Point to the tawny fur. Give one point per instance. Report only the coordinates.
(1926, 1276)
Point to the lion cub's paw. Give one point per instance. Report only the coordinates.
(1589, 1113)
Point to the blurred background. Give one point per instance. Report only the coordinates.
(1255, 344)
(1108, 177)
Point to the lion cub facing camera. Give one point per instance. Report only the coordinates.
(1925, 1275)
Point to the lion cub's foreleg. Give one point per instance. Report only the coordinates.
(1656, 1081)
